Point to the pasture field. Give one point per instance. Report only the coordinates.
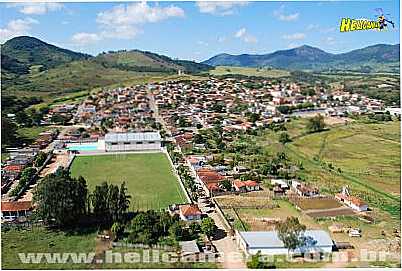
(364, 156)
(261, 72)
(148, 176)
(370, 152)
(40, 240)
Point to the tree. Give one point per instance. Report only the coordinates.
(25, 179)
(117, 229)
(290, 233)
(61, 198)
(316, 124)
(99, 199)
(178, 232)
(36, 116)
(227, 185)
(198, 139)
(40, 159)
(253, 117)
(22, 118)
(256, 262)
(124, 202)
(110, 204)
(8, 132)
(284, 138)
(59, 119)
(208, 226)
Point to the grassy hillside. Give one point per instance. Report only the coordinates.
(260, 72)
(67, 78)
(34, 68)
(29, 51)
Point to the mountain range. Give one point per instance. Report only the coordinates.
(33, 67)
(371, 58)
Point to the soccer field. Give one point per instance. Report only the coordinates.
(148, 176)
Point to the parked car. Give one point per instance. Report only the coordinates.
(355, 233)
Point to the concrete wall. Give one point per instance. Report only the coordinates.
(133, 146)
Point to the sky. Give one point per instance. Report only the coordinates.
(197, 30)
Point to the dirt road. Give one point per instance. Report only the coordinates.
(229, 253)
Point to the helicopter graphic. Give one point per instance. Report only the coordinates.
(382, 19)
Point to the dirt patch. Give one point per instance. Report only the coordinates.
(316, 203)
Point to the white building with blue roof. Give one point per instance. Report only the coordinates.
(147, 141)
(269, 243)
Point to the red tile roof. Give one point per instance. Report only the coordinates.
(13, 168)
(12, 206)
(356, 201)
(239, 184)
(213, 187)
(208, 175)
(190, 210)
(250, 183)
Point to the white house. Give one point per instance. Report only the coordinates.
(132, 141)
(281, 183)
(353, 202)
(269, 243)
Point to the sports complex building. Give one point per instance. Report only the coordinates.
(132, 141)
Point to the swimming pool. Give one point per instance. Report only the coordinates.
(83, 147)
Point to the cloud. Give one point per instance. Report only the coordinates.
(138, 13)
(202, 43)
(125, 21)
(83, 38)
(330, 40)
(240, 33)
(244, 36)
(280, 14)
(221, 39)
(328, 30)
(36, 8)
(16, 28)
(313, 27)
(219, 8)
(295, 36)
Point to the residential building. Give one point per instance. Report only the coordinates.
(190, 212)
(15, 209)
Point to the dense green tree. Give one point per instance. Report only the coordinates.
(227, 185)
(177, 231)
(290, 233)
(99, 199)
(256, 262)
(208, 226)
(117, 229)
(25, 180)
(316, 124)
(22, 118)
(61, 199)
(40, 159)
(123, 203)
(8, 132)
